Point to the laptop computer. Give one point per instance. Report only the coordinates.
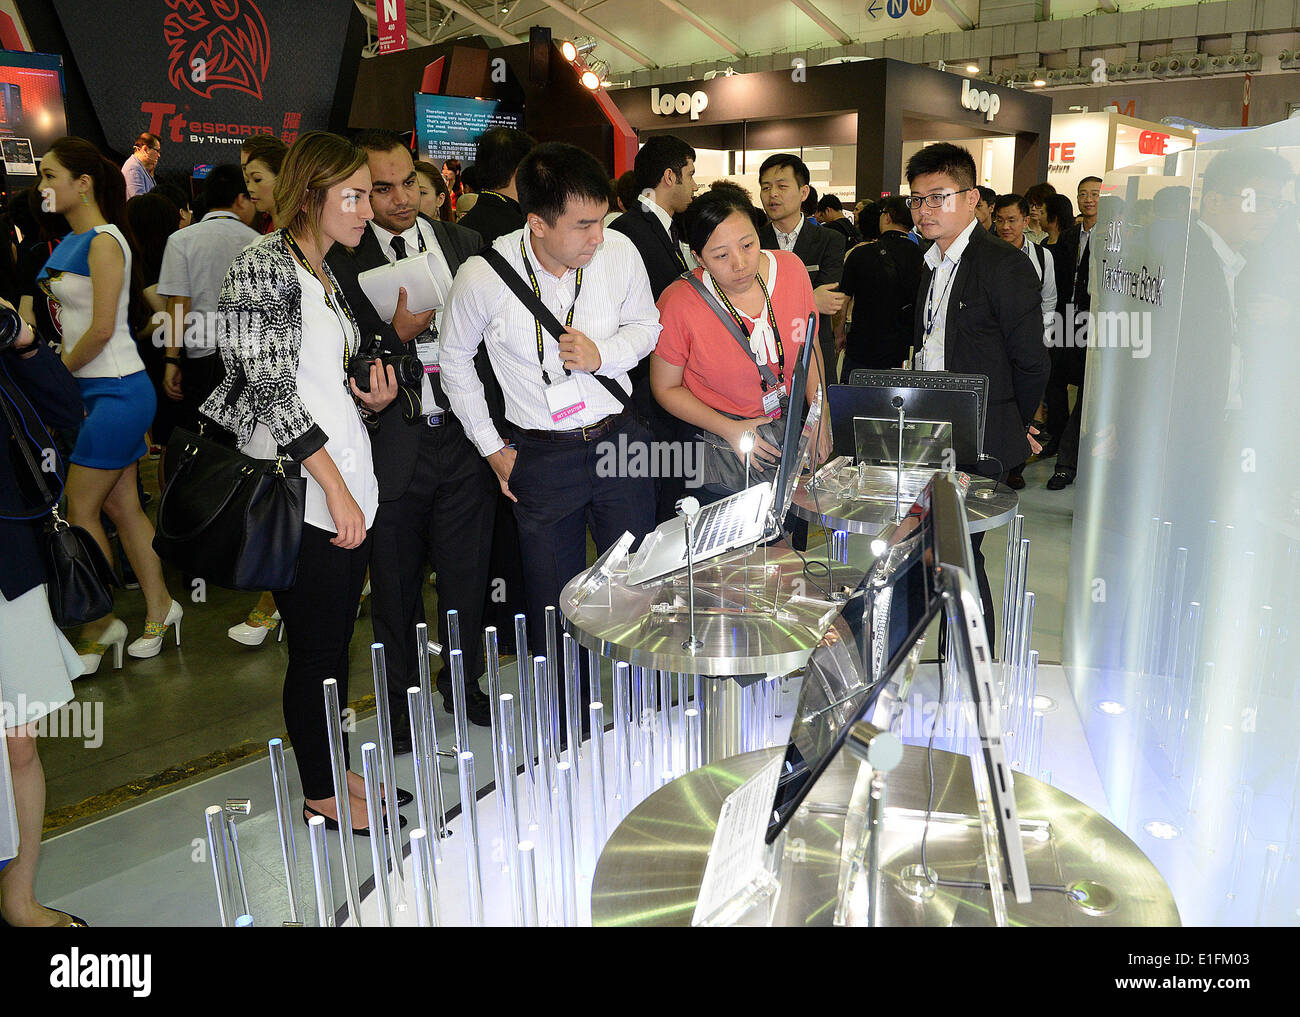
(747, 517)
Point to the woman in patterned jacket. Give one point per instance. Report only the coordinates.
(288, 345)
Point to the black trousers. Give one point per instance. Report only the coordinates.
(446, 515)
(560, 494)
(319, 613)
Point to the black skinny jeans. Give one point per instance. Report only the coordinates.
(319, 613)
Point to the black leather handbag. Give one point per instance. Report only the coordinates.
(227, 518)
(78, 578)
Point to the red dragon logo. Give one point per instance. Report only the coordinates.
(217, 44)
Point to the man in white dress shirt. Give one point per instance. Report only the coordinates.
(564, 400)
(437, 500)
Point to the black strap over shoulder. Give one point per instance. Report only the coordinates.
(765, 370)
(541, 312)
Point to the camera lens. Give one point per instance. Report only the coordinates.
(11, 327)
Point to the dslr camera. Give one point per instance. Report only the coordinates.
(407, 369)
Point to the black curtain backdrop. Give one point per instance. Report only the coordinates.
(202, 76)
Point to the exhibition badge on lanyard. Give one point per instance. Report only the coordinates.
(563, 397)
(932, 307)
(772, 397)
(427, 346)
(345, 319)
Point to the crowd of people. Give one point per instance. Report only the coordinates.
(584, 313)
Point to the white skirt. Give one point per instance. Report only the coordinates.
(37, 663)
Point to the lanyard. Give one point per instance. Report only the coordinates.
(771, 320)
(345, 319)
(931, 308)
(537, 292)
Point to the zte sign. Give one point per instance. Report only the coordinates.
(1152, 143)
(693, 103)
(987, 103)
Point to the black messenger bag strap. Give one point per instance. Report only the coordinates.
(541, 312)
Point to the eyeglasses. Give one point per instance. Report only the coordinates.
(933, 200)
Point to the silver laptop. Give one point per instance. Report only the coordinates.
(749, 517)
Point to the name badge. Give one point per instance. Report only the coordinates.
(772, 402)
(428, 348)
(564, 399)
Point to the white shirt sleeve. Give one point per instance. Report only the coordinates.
(464, 322)
(639, 327)
(1049, 288)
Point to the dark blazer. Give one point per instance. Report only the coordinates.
(395, 443)
(881, 277)
(994, 327)
(40, 383)
(822, 252)
(1072, 292)
(663, 261)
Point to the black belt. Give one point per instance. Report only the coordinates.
(589, 433)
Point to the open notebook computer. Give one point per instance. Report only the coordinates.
(748, 517)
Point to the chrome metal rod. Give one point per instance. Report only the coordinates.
(288, 852)
(420, 865)
(572, 698)
(528, 728)
(649, 728)
(635, 717)
(568, 844)
(1022, 569)
(492, 655)
(469, 815)
(453, 630)
(507, 785)
(876, 819)
(320, 867)
(238, 864)
(424, 647)
(1010, 607)
(692, 739)
(521, 637)
(552, 645)
(423, 778)
(214, 816)
(370, 772)
(388, 774)
(546, 781)
(528, 876)
(665, 720)
(597, 781)
(458, 708)
(622, 678)
(342, 802)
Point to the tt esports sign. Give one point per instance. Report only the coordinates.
(987, 103)
(693, 103)
(204, 75)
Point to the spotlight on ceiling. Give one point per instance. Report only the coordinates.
(574, 48)
(972, 68)
(594, 74)
(1039, 82)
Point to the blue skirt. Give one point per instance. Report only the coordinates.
(118, 412)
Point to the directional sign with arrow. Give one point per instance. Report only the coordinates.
(874, 9)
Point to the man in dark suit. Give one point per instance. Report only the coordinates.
(496, 157)
(665, 167)
(665, 181)
(978, 312)
(783, 188)
(881, 279)
(1068, 366)
(437, 497)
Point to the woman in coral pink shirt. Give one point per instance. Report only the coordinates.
(699, 372)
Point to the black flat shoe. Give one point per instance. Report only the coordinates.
(1060, 481)
(477, 711)
(332, 824)
(404, 797)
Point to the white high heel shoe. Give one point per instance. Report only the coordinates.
(92, 653)
(253, 630)
(150, 644)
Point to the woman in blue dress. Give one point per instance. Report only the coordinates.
(88, 281)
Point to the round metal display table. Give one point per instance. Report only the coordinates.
(652, 866)
(831, 503)
(759, 614)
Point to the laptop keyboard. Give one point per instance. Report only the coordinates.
(722, 524)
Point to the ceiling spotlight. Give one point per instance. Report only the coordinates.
(574, 48)
(590, 80)
(1039, 82)
(972, 68)
(569, 51)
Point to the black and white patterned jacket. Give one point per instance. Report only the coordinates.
(260, 308)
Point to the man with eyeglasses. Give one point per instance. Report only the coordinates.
(140, 164)
(978, 312)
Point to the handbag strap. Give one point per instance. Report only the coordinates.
(19, 430)
(541, 312)
(764, 370)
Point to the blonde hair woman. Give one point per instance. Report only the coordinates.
(287, 391)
